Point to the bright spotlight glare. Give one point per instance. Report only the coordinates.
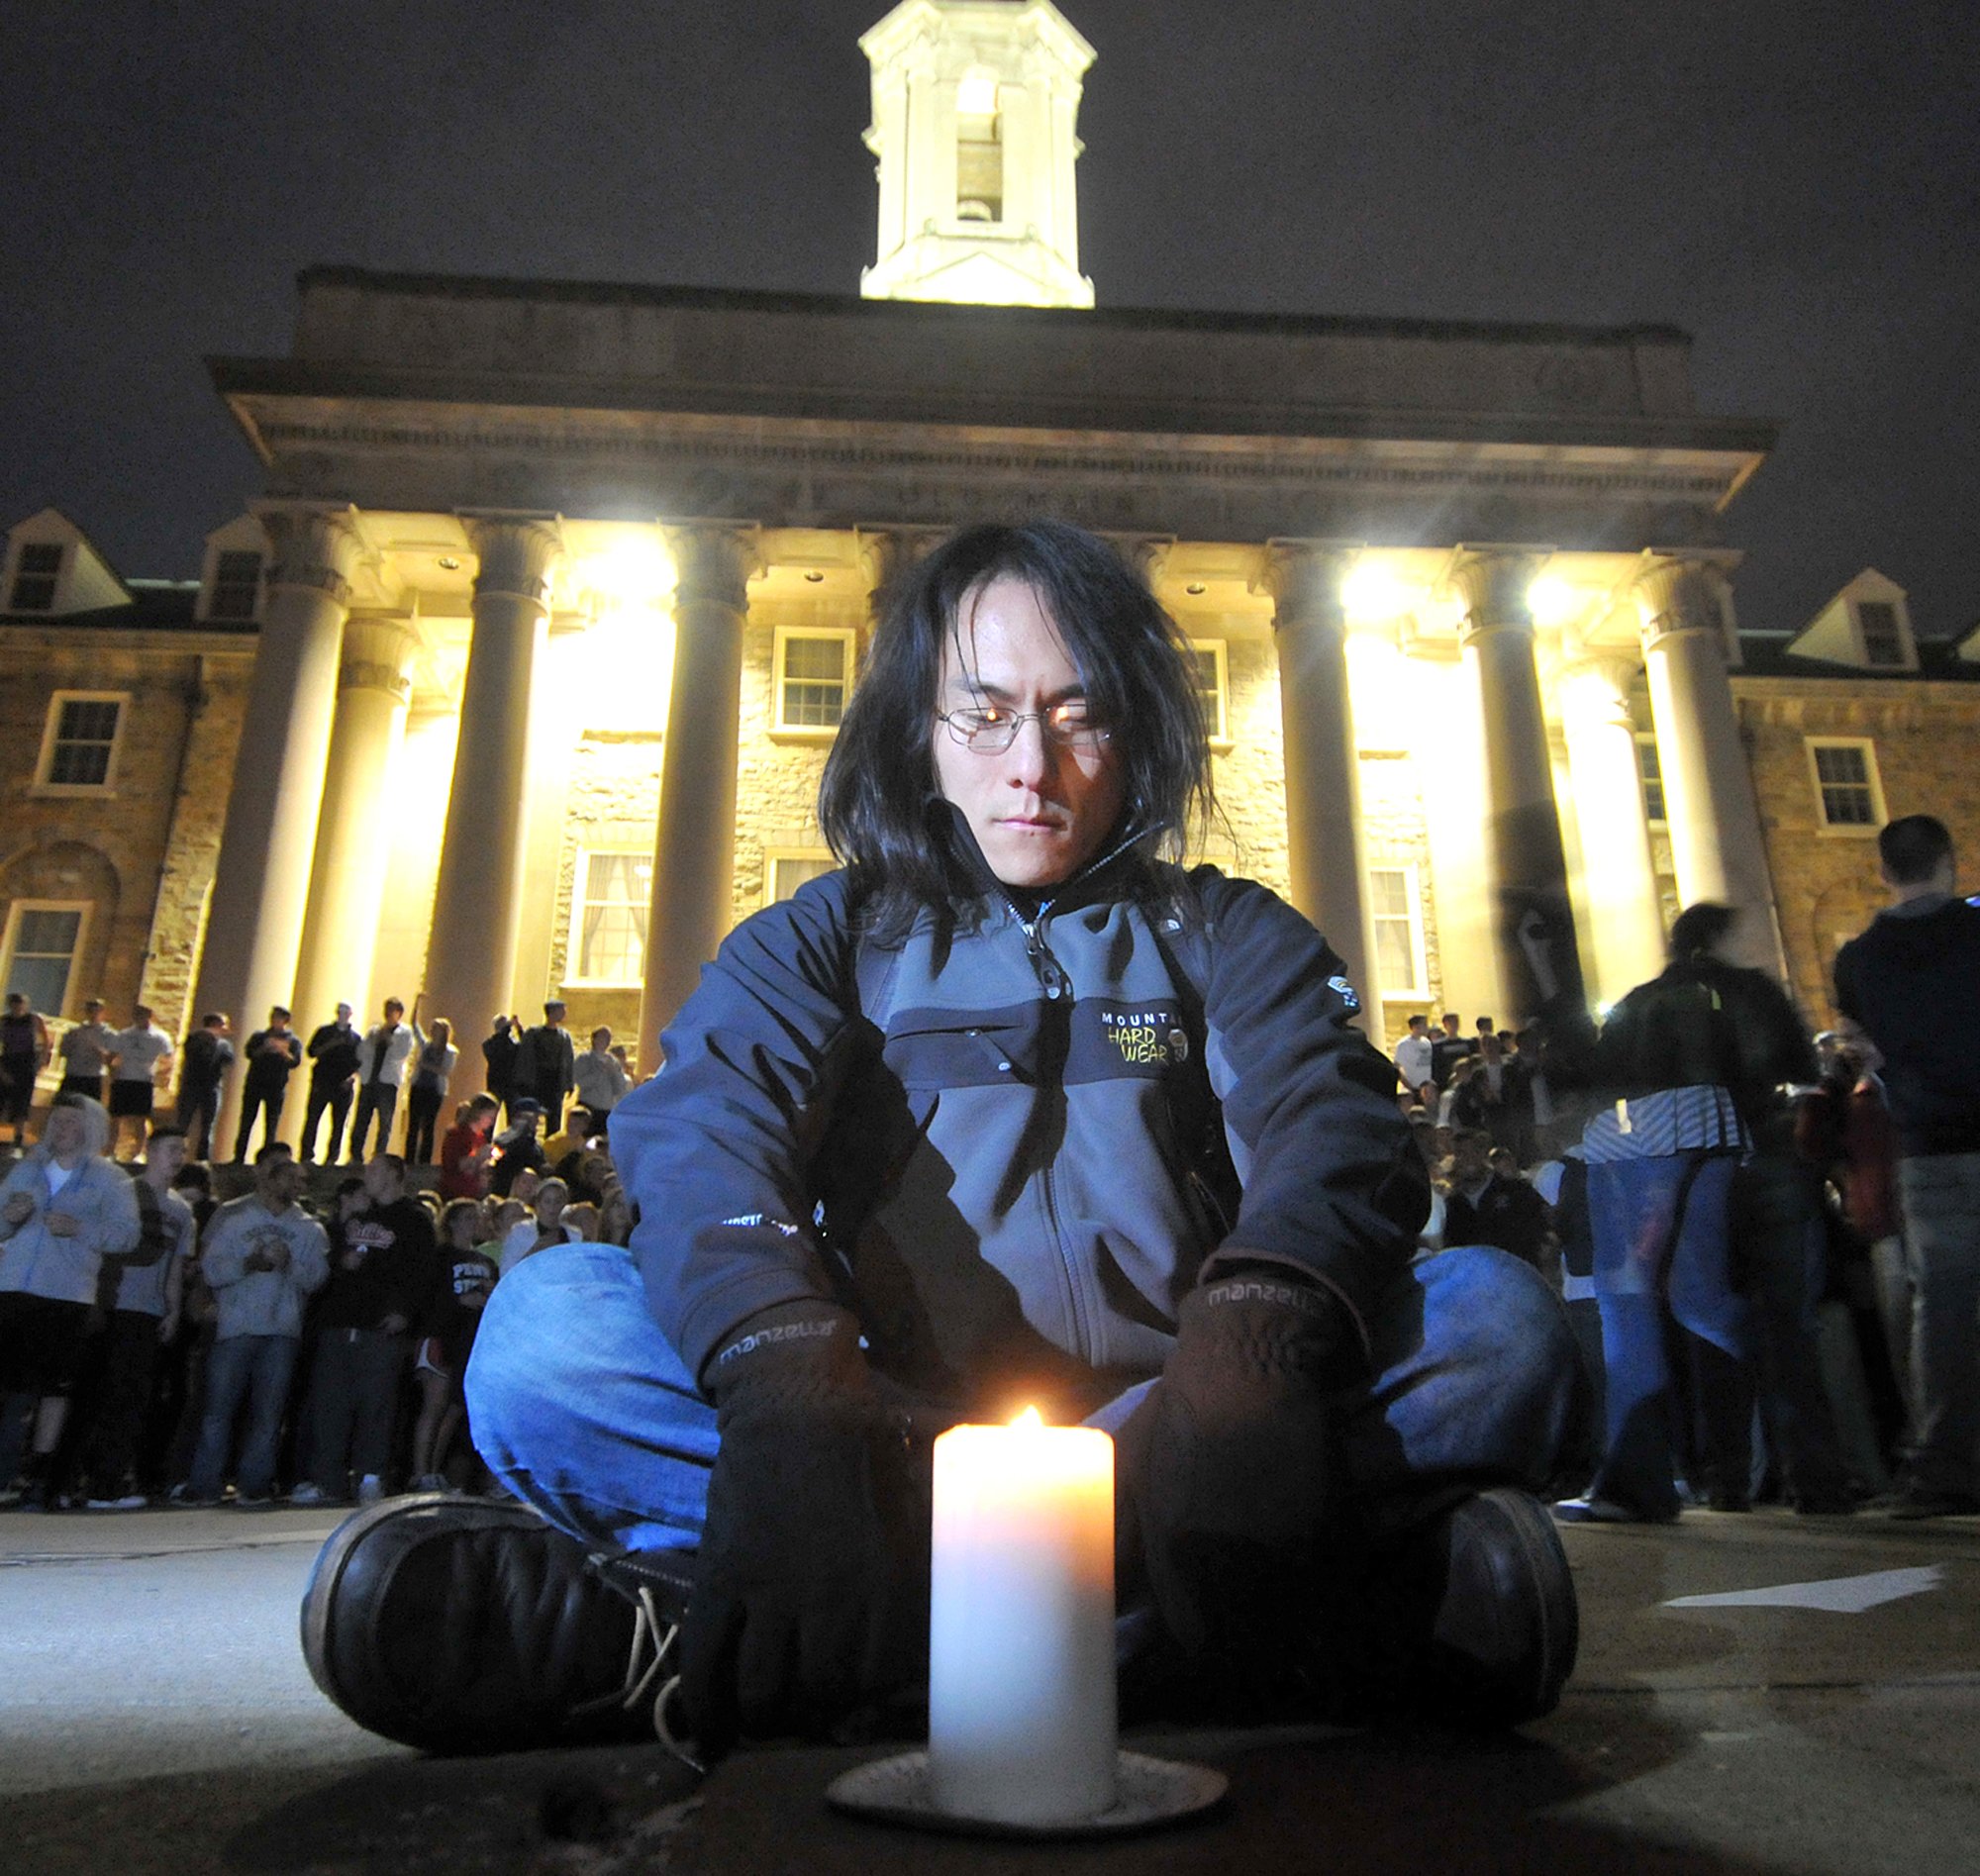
(1553, 601)
(977, 95)
(636, 570)
(1370, 592)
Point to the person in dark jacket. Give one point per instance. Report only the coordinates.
(546, 1066)
(1687, 1068)
(383, 1278)
(1910, 987)
(203, 1065)
(1015, 1111)
(332, 1054)
(273, 1054)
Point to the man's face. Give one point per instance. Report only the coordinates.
(394, 1010)
(279, 1179)
(141, 1018)
(343, 1015)
(168, 1155)
(601, 1041)
(1469, 1158)
(383, 1183)
(1038, 810)
(278, 1020)
(1452, 1025)
(553, 1015)
(92, 1010)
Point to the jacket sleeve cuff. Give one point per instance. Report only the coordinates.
(1228, 1257)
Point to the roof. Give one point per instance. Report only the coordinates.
(1766, 654)
(155, 606)
(841, 305)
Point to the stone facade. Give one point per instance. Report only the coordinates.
(1923, 736)
(138, 853)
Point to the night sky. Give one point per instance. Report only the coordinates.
(1797, 185)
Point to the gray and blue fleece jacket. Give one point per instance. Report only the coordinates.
(1001, 1150)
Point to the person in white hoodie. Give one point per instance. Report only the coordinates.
(264, 1257)
(64, 1207)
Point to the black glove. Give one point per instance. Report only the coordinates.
(806, 1589)
(1226, 1463)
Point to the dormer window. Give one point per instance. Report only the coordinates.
(36, 572)
(236, 586)
(1883, 636)
(980, 150)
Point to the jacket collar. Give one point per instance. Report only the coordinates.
(1121, 856)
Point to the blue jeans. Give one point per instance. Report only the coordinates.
(1941, 1201)
(1662, 1241)
(256, 1367)
(580, 1405)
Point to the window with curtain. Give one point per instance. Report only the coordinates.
(42, 954)
(1399, 949)
(610, 917)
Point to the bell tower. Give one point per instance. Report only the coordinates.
(974, 108)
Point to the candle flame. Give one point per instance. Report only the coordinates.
(1030, 1417)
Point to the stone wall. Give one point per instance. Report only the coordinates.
(1825, 883)
(142, 853)
(198, 818)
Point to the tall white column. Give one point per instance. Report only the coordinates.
(477, 897)
(694, 844)
(1324, 841)
(355, 832)
(260, 885)
(1530, 863)
(1716, 847)
(1619, 870)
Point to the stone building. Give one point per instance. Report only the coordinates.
(519, 677)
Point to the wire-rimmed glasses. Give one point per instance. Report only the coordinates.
(990, 729)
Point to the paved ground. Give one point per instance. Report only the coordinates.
(155, 1716)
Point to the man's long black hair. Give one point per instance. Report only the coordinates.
(878, 800)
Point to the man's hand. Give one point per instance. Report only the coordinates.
(810, 1591)
(1227, 1462)
(63, 1225)
(20, 1209)
(394, 1323)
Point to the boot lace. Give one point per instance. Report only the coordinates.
(654, 1644)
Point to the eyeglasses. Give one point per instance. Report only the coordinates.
(990, 730)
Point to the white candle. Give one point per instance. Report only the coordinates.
(1022, 1724)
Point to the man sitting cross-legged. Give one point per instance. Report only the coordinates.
(1013, 1110)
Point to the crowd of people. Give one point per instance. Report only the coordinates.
(1773, 1299)
(158, 1345)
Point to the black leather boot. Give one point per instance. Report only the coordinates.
(1467, 1616)
(472, 1626)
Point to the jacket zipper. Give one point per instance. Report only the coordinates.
(1055, 985)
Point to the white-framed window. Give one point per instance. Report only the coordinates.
(1651, 769)
(786, 868)
(79, 742)
(1849, 797)
(813, 675)
(610, 893)
(1213, 685)
(44, 938)
(36, 570)
(1400, 968)
(235, 594)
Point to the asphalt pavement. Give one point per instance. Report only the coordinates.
(1755, 1694)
